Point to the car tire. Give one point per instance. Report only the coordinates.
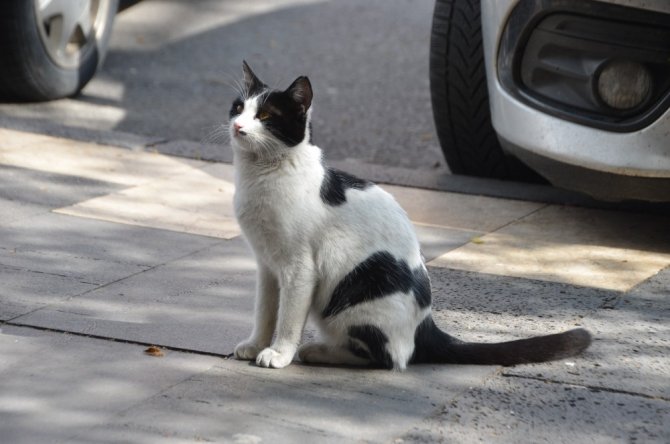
(459, 96)
(36, 64)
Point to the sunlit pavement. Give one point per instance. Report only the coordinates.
(105, 251)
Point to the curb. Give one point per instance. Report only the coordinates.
(383, 174)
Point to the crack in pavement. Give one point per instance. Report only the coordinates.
(122, 341)
(593, 388)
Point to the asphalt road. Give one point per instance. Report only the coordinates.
(171, 64)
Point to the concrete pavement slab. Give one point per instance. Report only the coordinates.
(479, 307)
(202, 302)
(23, 291)
(99, 136)
(214, 149)
(436, 241)
(597, 248)
(11, 210)
(92, 161)
(94, 251)
(13, 139)
(49, 258)
(513, 410)
(451, 210)
(25, 192)
(172, 203)
(631, 352)
(53, 385)
(237, 402)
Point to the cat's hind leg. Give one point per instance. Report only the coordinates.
(322, 353)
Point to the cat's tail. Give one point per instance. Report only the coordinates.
(432, 345)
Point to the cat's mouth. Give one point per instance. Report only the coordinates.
(238, 134)
(242, 139)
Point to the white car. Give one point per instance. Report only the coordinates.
(573, 91)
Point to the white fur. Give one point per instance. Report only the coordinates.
(304, 247)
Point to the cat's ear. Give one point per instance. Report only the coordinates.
(301, 92)
(252, 83)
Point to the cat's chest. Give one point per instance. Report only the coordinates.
(276, 213)
(263, 212)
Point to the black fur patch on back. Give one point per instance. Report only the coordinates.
(379, 275)
(375, 340)
(335, 184)
(421, 287)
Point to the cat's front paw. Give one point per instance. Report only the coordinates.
(247, 350)
(274, 359)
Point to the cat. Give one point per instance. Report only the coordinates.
(341, 249)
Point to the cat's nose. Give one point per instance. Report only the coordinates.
(238, 129)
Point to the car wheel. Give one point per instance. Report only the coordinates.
(51, 48)
(460, 97)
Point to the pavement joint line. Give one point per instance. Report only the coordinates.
(594, 388)
(631, 289)
(88, 258)
(448, 227)
(161, 392)
(613, 302)
(99, 286)
(152, 267)
(512, 222)
(24, 314)
(154, 143)
(609, 303)
(117, 340)
(48, 274)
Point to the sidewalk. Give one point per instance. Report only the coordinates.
(105, 251)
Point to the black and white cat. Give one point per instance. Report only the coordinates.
(341, 249)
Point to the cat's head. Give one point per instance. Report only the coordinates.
(267, 122)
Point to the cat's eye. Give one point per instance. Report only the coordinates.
(239, 108)
(263, 115)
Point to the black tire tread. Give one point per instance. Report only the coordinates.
(460, 96)
(14, 80)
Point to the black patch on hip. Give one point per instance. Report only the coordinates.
(421, 287)
(379, 275)
(374, 340)
(335, 184)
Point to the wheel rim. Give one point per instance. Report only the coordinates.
(70, 28)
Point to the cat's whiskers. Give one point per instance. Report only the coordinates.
(219, 134)
(269, 152)
(265, 146)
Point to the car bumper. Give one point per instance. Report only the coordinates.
(533, 134)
